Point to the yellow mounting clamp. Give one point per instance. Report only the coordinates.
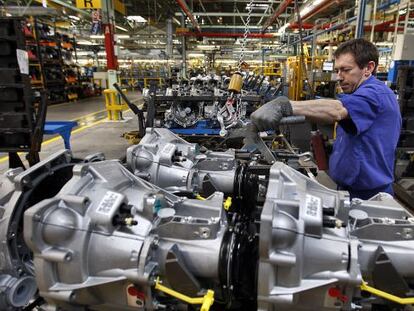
(385, 295)
(199, 197)
(227, 203)
(206, 301)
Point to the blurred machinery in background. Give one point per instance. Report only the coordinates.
(205, 105)
(316, 79)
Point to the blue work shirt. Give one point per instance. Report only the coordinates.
(363, 155)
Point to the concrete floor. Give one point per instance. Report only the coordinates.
(94, 132)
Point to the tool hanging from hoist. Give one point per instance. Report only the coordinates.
(227, 115)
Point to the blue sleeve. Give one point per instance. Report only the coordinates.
(362, 108)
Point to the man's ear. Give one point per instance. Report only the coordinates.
(370, 68)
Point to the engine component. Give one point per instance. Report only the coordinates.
(103, 240)
(18, 191)
(316, 247)
(173, 164)
(204, 106)
(97, 236)
(185, 115)
(236, 82)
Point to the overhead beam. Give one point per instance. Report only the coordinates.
(69, 6)
(183, 5)
(280, 9)
(226, 35)
(232, 27)
(226, 14)
(32, 11)
(244, 1)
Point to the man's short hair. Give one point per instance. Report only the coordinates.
(362, 50)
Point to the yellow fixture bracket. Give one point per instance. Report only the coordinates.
(385, 295)
(199, 197)
(206, 301)
(227, 203)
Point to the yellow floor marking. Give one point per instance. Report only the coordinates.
(51, 140)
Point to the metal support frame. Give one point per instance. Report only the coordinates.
(281, 8)
(184, 51)
(359, 31)
(108, 17)
(227, 35)
(183, 5)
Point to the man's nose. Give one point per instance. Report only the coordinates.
(338, 77)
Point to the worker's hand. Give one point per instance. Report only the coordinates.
(269, 115)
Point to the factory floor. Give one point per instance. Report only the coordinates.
(94, 132)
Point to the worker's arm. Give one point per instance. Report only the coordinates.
(320, 110)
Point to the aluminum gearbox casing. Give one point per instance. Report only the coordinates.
(101, 236)
(173, 164)
(85, 258)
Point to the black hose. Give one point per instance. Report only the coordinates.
(138, 112)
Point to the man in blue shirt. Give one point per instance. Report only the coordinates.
(368, 116)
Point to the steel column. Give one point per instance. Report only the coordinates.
(108, 23)
(184, 51)
(359, 31)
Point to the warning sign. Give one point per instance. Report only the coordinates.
(89, 4)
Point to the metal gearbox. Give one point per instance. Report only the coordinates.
(105, 237)
(98, 236)
(316, 247)
(18, 191)
(173, 164)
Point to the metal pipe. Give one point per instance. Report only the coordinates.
(226, 35)
(227, 14)
(374, 19)
(183, 5)
(31, 11)
(282, 7)
(326, 30)
(320, 7)
(359, 31)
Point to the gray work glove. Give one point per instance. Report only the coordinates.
(269, 115)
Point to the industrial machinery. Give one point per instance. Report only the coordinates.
(98, 235)
(208, 105)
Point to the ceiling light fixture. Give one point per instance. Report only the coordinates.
(121, 28)
(136, 18)
(74, 17)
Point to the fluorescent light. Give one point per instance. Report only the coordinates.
(96, 36)
(121, 28)
(283, 28)
(207, 47)
(84, 53)
(258, 6)
(195, 55)
(305, 11)
(84, 42)
(136, 18)
(122, 36)
(74, 17)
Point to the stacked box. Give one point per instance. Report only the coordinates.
(17, 117)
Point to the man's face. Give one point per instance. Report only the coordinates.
(350, 76)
